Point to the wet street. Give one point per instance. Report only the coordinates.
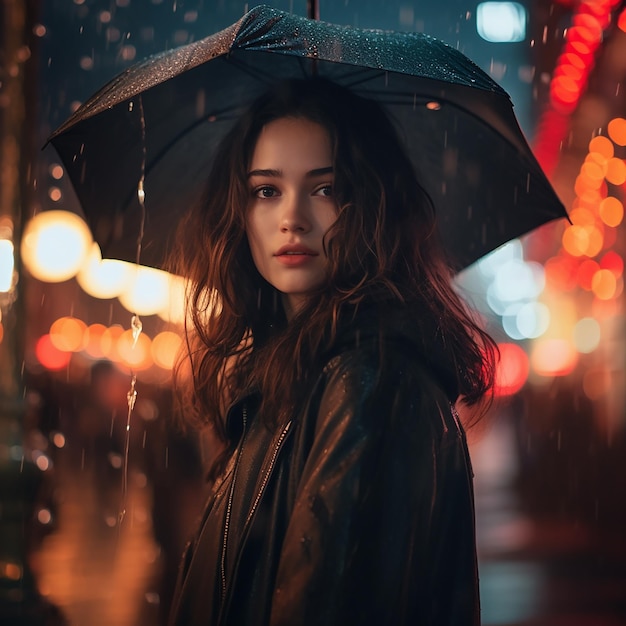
(536, 570)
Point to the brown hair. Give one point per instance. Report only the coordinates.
(383, 246)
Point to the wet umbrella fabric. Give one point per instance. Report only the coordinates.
(163, 118)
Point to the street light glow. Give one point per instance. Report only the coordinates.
(501, 22)
(104, 278)
(7, 265)
(55, 245)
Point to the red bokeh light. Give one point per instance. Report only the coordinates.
(49, 356)
(512, 371)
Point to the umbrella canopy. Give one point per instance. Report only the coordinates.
(160, 121)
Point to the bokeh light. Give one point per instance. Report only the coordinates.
(611, 211)
(147, 292)
(617, 130)
(50, 356)
(512, 370)
(553, 357)
(604, 284)
(603, 146)
(68, 334)
(561, 272)
(103, 278)
(109, 343)
(616, 171)
(174, 310)
(586, 271)
(621, 21)
(614, 262)
(55, 245)
(165, 347)
(93, 340)
(134, 353)
(532, 320)
(7, 265)
(587, 335)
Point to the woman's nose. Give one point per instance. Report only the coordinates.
(295, 216)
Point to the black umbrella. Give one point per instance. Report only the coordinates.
(162, 118)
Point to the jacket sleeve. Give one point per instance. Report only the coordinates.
(358, 546)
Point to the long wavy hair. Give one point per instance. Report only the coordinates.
(383, 247)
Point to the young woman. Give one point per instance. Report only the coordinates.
(327, 350)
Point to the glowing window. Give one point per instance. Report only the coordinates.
(501, 22)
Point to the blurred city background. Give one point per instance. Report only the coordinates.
(92, 522)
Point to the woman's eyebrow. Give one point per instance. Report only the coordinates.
(320, 171)
(273, 173)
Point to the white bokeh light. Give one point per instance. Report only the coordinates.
(501, 22)
(7, 265)
(532, 320)
(55, 245)
(509, 321)
(174, 310)
(104, 278)
(587, 334)
(489, 265)
(518, 280)
(147, 292)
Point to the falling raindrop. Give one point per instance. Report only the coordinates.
(136, 327)
(131, 397)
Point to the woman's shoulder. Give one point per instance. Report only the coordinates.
(393, 345)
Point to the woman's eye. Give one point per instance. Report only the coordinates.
(325, 190)
(265, 192)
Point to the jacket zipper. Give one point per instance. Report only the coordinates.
(266, 477)
(255, 504)
(230, 503)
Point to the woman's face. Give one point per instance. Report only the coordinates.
(291, 206)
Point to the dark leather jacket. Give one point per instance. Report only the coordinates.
(358, 511)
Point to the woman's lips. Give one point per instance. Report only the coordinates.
(294, 255)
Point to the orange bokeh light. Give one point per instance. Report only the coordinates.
(582, 216)
(165, 348)
(611, 211)
(554, 357)
(582, 240)
(621, 21)
(134, 354)
(602, 145)
(589, 199)
(594, 171)
(599, 159)
(93, 340)
(604, 284)
(68, 334)
(108, 342)
(617, 130)
(584, 184)
(616, 171)
(575, 240)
